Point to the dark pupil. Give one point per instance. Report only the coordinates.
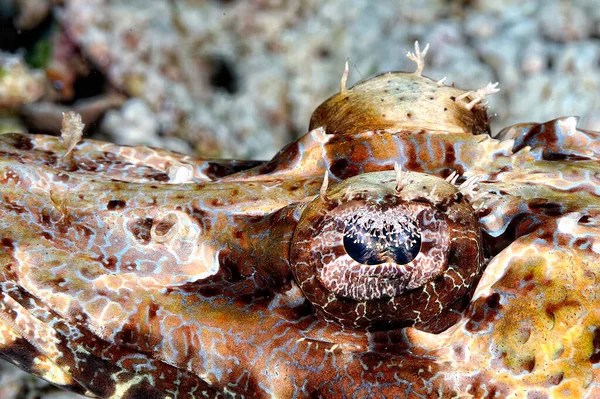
(395, 242)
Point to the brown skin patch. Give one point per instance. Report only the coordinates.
(62, 177)
(162, 177)
(595, 357)
(7, 243)
(23, 143)
(450, 154)
(359, 153)
(342, 168)
(222, 168)
(115, 204)
(484, 312)
(202, 217)
(140, 228)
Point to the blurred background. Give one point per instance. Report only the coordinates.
(240, 79)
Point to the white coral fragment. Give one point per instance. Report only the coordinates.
(418, 57)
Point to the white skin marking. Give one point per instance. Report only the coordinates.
(180, 173)
(464, 95)
(348, 193)
(451, 177)
(344, 79)
(320, 135)
(480, 94)
(401, 177)
(454, 179)
(433, 191)
(469, 185)
(323, 190)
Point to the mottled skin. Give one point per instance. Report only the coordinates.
(119, 278)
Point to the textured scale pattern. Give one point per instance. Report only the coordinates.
(128, 272)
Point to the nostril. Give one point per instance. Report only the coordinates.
(174, 228)
(163, 226)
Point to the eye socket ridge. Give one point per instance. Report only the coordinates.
(423, 292)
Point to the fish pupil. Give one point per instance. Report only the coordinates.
(370, 242)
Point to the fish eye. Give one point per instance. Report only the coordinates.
(370, 256)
